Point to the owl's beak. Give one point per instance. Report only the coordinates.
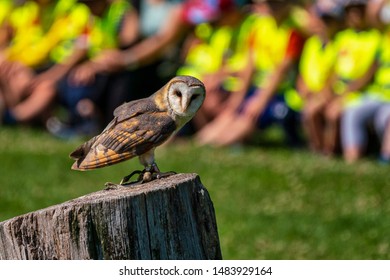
(195, 90)
(185, 102)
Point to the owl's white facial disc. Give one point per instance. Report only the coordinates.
(185, 100)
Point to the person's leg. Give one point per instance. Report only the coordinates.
(241, 127)
(313, 124)
(382, 128)
(36, 104)
(239, 130)
(14, 81)
(213, 130)
(332, 114)
(385, 148)
(354, 134)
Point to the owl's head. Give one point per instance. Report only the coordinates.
(185, 96)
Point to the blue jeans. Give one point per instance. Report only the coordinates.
(355, 122)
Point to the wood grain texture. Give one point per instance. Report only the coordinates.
(171, 218)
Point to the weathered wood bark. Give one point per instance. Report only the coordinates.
(171, 218)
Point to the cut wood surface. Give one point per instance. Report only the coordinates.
(171, 218)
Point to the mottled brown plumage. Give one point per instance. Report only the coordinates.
(140, 126)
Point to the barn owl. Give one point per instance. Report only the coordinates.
(140, 126)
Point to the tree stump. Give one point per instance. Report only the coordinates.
(171, 218)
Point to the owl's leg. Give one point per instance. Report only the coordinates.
(146, 175)
(150, 173)
(157, 174)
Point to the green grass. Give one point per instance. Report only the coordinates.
(270, 202)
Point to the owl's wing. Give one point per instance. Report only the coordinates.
(127, 136)
(133, 108)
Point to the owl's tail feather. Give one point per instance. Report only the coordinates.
(81, 152)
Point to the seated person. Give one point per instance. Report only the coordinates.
(276, 48)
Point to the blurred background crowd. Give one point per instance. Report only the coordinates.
(318, 69)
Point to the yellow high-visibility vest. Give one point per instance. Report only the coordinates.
(24, 20)
(65, 30)
(207, 57)
(317, 62)
(5, 10)
(223, 46)
(357, 51)
(104, 31)
(36, 38)
(380, 87)
(269, 45)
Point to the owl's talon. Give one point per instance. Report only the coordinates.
(126, 179)
(147, 175)
(161, 175)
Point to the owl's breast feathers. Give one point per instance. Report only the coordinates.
(137, 127)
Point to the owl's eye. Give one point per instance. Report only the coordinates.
(177, 93)
(193, 97)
